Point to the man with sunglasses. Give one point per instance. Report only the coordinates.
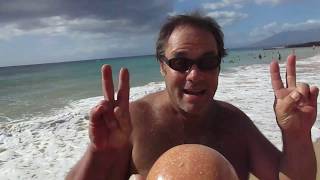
(127, 138)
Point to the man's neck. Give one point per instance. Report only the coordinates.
(203, 116)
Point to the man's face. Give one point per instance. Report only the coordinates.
(192, 90)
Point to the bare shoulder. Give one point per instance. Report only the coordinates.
(233, 116)
(145, 105)
(230, 111)
(240, 122)
(145, 110)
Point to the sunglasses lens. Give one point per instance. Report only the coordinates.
(183, 64)
(208, 63)
(180, 64)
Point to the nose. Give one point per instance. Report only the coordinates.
(194, 73)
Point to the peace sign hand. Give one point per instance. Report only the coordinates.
(296, 105)
(110, 125)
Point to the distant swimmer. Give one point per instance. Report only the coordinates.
(260, 57)
(279, 56)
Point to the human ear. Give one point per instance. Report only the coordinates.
(162, 69)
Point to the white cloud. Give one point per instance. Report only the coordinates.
(237, 4)
(274, 28)
(56, 28)
(214, 6)
(265, 31)
(78, 38)
(224, 3)
(273, 2)
(225, 18)
(61, 26)
(309, 24)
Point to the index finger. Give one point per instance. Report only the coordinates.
(275, 76)
(291, 71)
(124, 89)
(107, 83)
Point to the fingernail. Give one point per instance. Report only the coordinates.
(134, 177)
(295, 95)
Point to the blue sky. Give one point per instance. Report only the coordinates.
(43, 31)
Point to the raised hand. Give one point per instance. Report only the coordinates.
(110, 124)
(296, 104)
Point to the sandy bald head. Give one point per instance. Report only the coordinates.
(192, 161)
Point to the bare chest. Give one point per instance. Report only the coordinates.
(152, 142)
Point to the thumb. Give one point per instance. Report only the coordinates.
(291, 101)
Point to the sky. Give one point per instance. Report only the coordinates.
(46, 31)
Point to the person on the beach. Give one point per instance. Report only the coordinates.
(127, 138)
(279, 56)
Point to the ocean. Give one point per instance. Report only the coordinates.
(44, 108)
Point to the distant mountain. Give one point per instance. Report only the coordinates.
(289, 37)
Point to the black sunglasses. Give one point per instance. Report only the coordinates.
(183, 64)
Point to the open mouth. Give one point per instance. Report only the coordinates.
(194, 92)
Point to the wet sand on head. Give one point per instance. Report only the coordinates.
(192, 162)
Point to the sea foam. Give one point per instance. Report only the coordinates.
(46, 147)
